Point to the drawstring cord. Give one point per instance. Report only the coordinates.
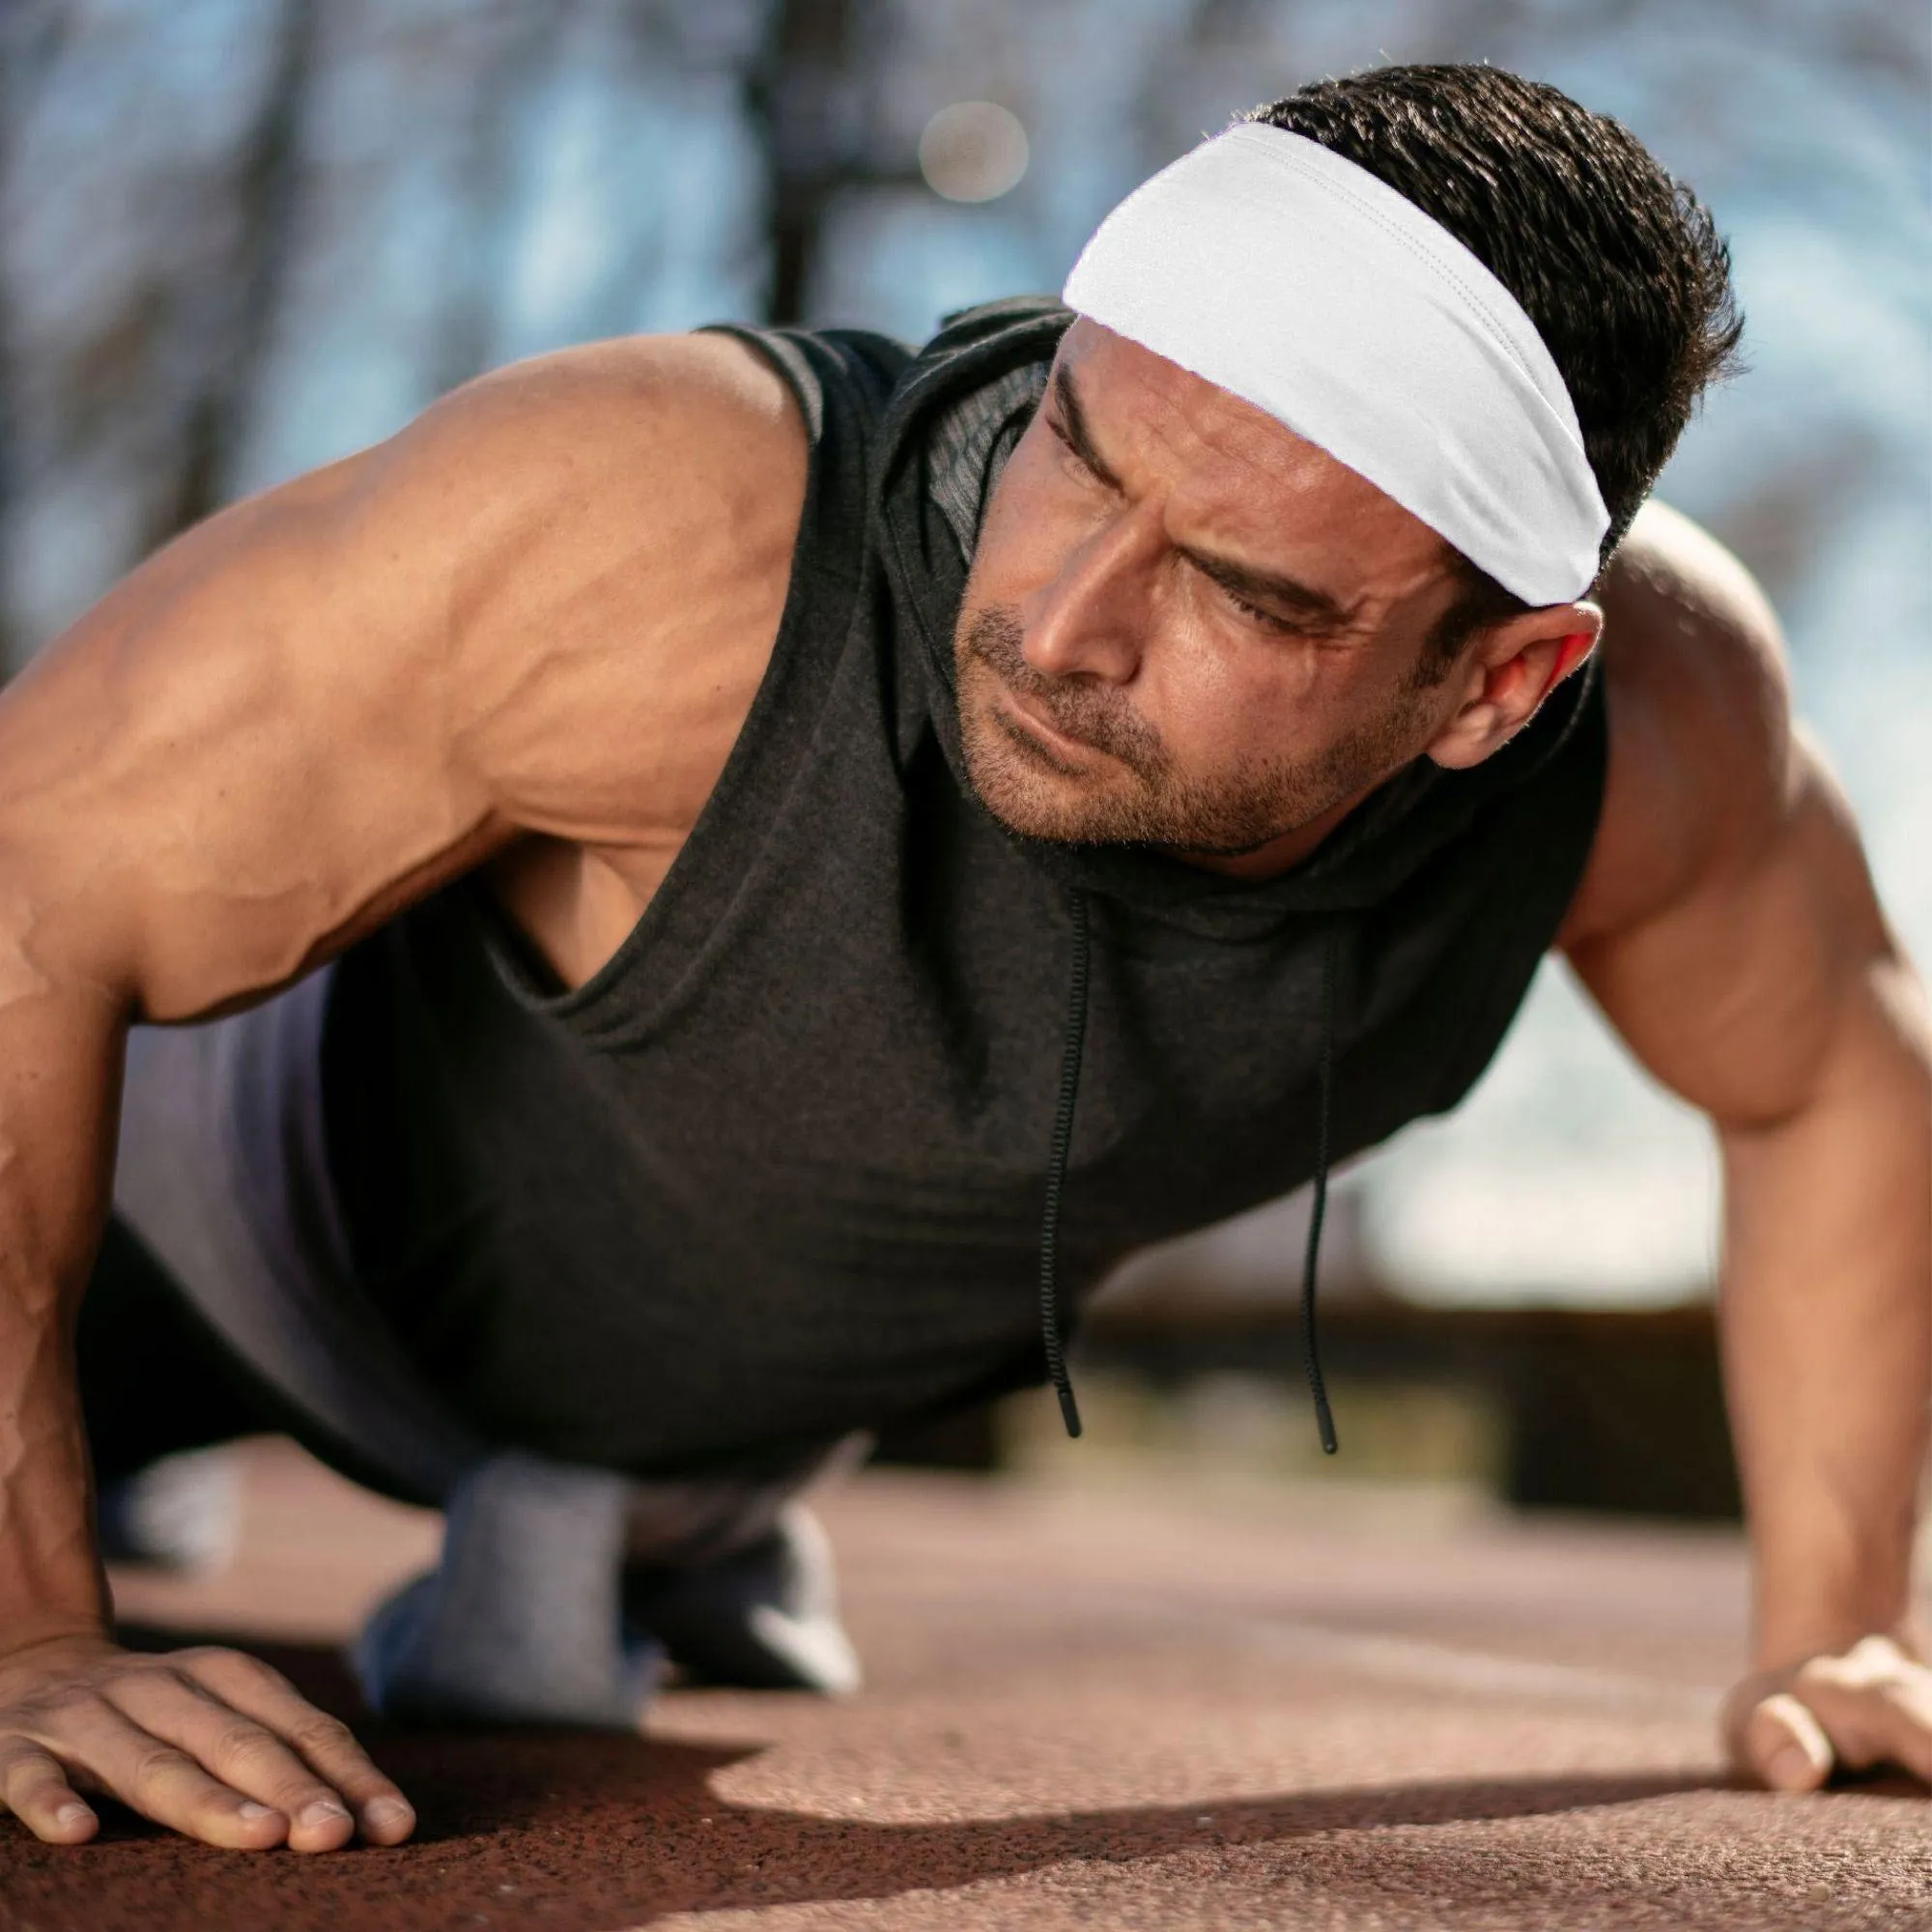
(1051, 1331)
(1325, 1420)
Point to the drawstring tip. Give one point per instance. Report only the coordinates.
(1052, 1336)
(1068, 1412)
(1311, 1264)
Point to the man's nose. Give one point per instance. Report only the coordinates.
(1091, 618)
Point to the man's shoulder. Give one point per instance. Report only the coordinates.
(681, 428)
(709, 377)
(1701, 751)
(614, 529)
(616, 524)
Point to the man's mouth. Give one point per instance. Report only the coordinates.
(1019, 719)
(1028, 710)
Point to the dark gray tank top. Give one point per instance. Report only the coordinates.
(776, 1171)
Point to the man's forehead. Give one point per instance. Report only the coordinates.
(1235, 470)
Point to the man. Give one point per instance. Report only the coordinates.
(746, 923)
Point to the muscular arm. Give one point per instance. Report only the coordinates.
(528, 627)
(1728, 928)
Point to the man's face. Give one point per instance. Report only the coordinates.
(1186, 626)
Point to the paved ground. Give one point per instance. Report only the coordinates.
(1107, 1709)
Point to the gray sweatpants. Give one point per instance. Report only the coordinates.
(561, 1589)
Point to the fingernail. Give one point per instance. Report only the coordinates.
(388, 1812)
(250, 1810)
(324, 1811)
(1788, 1765)
(70, 1815)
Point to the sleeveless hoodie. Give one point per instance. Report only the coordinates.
(778, 1170)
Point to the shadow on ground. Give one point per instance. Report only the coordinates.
(585, 1832)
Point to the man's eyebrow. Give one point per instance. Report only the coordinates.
(1298, 602)
(1311, 609)
(1076, 432)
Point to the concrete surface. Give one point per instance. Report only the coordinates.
(1111, 1706)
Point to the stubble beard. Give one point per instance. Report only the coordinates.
(1142, 799)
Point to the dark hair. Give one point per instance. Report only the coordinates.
(1615, 261)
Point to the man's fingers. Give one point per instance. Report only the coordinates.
(328, 1746)
(244, 1755)
(157, 1778)
(1784, 1744)
(34, 1787)
(1903, 1734)
(209, 1742)
(1876, 1705)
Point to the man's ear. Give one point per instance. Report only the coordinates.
(1513, 667)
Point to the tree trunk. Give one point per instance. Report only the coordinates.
(269, 190)
(799, 95)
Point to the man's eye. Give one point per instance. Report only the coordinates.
(1265, 618)
(1066, 443)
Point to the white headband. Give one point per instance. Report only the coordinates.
(1299, 282)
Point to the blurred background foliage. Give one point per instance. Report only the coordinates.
(239, 238)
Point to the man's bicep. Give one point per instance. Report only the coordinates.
(232, 763)
(1735, 994)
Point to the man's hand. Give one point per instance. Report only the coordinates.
(210, 1741)
(1872, 1704)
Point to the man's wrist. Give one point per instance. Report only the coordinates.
(20, 1649)
(1825, 1576)
(74, 1604)
(1789, 1631)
